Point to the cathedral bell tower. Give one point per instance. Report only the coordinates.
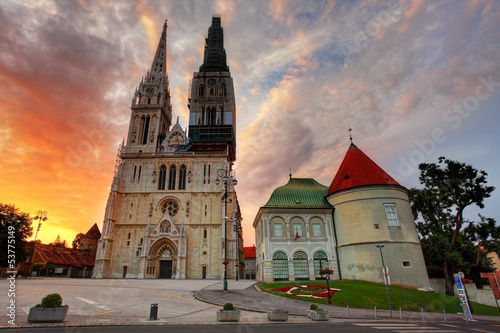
(151, 105)
(212, 107)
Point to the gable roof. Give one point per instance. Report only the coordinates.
(249, 251)
(65, 257)
(299, 193)
(357, 169)
(93, 232)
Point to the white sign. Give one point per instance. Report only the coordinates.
(463, 296)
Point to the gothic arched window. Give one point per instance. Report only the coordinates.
(162, 178)
(213, 116)
(200, 90)
(144, 129)
(182, 177)
(171, 177)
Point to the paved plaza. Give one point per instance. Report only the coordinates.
(180, 302)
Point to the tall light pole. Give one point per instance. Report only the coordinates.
(236, 229)
(380, 246)
(228, 179)
(40, 216)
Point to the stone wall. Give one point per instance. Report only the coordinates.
(483, 296)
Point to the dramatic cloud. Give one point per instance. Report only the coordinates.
(413, 79)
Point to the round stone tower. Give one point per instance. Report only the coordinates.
(370, 209)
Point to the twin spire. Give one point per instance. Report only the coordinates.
(159, 65)
(214, 59)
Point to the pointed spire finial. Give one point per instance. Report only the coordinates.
(177, 119)
(290, 173)
(350, 134)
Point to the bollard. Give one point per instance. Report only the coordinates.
(375, 312)
(444, 311)
(400, 314)
(422, 310)
(153, 314)
(348, 311)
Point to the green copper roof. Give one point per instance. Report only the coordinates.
(215, 55)
(299, 193)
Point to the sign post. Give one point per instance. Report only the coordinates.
(463, 296)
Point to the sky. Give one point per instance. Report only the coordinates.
(415, 80)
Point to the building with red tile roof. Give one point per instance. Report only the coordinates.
(250, 266)
(306, 227)
(76, 263)
(357, 170)
(372, 209)
(249, 251)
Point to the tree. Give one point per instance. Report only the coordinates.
(59, 242)
(16, 226)
(449, 188)
(76, 241)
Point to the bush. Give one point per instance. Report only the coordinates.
(314, 307)
(228, 306)
(52, 301)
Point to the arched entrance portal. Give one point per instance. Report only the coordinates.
(166, 261)
(162, 262)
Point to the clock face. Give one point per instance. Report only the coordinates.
(211, 81)
(150, 91)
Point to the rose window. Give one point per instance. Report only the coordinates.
(171, 206)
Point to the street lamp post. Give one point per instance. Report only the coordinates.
(40, 216)
(380, 246)
(228, 179)
(236, 229)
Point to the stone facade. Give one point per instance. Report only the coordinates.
(164, 216)
(90, 240)
(372, 208)
(361, 222)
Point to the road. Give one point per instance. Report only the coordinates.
(379, 327)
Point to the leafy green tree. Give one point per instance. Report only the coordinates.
(15, 228)
(449, 242)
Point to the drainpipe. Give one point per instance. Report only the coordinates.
(336, 243)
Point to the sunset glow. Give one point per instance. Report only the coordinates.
(304, 72)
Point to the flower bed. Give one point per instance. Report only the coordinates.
(308, 291)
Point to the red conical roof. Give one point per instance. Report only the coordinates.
(357, 169)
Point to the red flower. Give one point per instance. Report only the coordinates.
(326, 272)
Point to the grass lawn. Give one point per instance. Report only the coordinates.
(367, 295)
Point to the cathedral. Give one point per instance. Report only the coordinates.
(172, 211)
